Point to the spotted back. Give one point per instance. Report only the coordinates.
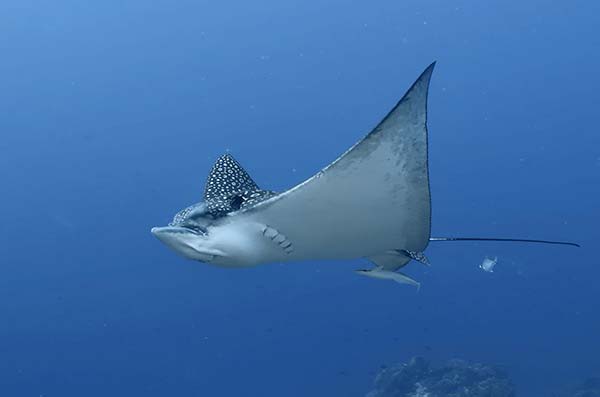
(230, 188)
(226, 178)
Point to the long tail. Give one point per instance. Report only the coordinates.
(503, 239)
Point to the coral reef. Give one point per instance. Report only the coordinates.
(456, 378)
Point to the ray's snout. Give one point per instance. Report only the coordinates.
(172, 236)
(159, 232)
(185, 242)
(164, 235)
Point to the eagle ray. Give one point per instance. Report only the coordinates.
(372, 202)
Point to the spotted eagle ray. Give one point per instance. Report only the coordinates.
(372, 202)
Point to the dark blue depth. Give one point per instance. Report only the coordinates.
(113, 112)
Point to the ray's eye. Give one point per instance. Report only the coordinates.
(236, 202)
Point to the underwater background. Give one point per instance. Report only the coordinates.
(113, 113)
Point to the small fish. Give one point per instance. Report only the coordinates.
(488, 264)
(398, 277)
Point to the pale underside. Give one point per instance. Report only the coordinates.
(373, 199)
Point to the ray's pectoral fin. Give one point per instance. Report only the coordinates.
(230, 188)
(277, 238)
(227, 177)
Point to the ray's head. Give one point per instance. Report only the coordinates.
(188, 233)
(197, 232)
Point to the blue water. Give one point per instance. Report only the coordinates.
(113, 112)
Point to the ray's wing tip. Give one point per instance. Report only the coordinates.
(428, 71)
(422, 82)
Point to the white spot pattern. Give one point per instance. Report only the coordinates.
(182, 215)
(227, 177)
(230, 188)
(417, 256)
